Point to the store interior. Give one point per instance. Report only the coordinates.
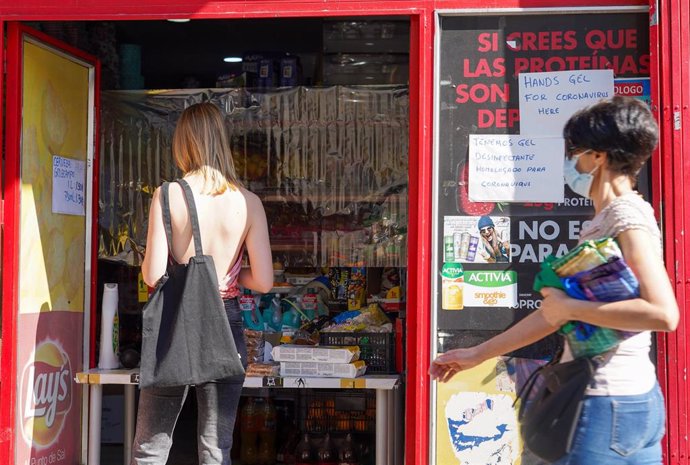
(318, 116)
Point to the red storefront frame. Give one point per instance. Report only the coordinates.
(669, 72)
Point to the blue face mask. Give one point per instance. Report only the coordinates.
(580, 183)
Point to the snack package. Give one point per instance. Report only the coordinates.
(356, 288)
(299, 353)
(263, 369)
(595, 271)
(255, 345)
(371, 319)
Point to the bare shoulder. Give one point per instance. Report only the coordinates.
(253, 200)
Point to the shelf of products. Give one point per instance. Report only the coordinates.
(366, 51)
(330, 161)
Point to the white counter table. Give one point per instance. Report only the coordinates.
(389, 419)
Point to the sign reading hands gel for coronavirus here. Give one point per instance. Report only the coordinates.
(547, 100)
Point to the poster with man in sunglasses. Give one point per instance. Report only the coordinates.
(476, 239)
(495, 246)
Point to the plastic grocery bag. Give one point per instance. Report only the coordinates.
(600, 274)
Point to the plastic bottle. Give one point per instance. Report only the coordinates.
(250, 430)
(325, 454)
(291, 319)
(291, 437)
(310, 303)
(452, 282)
(303, 451)
(267, 433)
(275, 319)
(347, 454)
(110, 329)
(252, 319)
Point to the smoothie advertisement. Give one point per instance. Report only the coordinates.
(505, 85)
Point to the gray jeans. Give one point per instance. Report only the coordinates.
(217, 402)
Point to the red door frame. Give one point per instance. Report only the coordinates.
(11, 222)
(422, 19)
(670, 40)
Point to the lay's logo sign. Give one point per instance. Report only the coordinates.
(46, 394)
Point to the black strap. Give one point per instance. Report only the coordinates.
(167, 224)
(191, 207)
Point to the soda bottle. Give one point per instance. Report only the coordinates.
(267, 433)
(347, 454)
(250, 430)
(303, 451)
(325, 454)
(286, 453)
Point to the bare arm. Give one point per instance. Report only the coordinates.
(656, 309)
(156, 257)
(259, 276)
(527, 331)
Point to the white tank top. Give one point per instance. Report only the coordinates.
(628, 369)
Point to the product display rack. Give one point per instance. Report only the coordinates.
(388, 441)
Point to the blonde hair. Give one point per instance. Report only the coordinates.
(200, 145)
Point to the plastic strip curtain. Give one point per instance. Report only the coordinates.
(330, 165)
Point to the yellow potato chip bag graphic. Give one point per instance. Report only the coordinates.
(54, 120)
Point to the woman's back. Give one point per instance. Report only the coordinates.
(229, 223)
(223, 223)
(230, 217)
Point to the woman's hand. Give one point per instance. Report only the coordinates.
(555, 305)
(448, 364)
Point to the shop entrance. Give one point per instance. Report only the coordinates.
(319, 123)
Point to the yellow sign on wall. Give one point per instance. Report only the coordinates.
(55, 123)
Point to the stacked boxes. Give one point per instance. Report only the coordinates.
(319, 361)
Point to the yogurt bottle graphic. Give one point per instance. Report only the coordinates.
(452, 282)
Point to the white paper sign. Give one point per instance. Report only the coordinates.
(69, 194)
(512, 168)
(547, 100)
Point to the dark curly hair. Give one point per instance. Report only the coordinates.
(623, 127)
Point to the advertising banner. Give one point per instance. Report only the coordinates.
(482, 110)
(505, 86)
(49, 401)
(56, 138)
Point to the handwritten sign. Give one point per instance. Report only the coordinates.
(513, 168)
(547, 100)
(69, 195)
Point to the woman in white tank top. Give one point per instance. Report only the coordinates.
(231, 220)
(622, 421)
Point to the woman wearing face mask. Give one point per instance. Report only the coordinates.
(622, 421)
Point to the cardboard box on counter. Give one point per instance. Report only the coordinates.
(299, 353)
(323, 369)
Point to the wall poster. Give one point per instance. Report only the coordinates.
(54, 253)
(480, 58)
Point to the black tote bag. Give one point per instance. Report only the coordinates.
(186, 336)
(551, 403)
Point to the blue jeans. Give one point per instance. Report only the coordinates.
(619, 430)
(217, 404)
